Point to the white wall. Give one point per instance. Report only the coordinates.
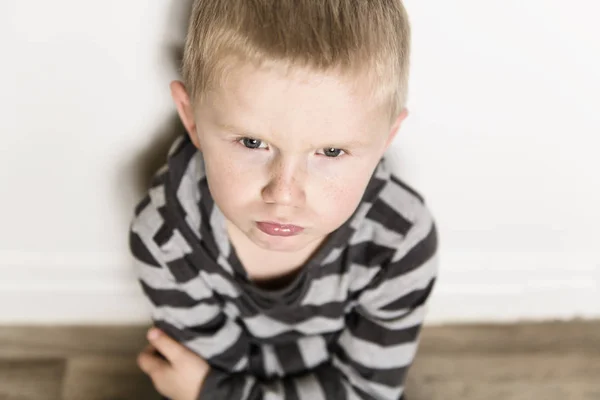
(502, 140)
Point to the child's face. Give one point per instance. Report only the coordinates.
(291, 149)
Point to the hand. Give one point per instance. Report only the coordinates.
(181, 375)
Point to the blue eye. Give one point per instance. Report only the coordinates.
(251, 143)
(332, 152)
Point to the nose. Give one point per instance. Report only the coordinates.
(285, 186)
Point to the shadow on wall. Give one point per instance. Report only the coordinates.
(149, 159)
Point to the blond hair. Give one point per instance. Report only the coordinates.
(369, 37)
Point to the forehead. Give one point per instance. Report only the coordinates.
(297, 102)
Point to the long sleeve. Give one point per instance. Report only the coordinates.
(188, 310)
(369, 360)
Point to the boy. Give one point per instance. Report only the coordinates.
(275, 243)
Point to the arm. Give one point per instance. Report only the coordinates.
(188, 311)
(390, 311)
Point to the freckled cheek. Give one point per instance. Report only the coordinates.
(235, 179)
(335, 201)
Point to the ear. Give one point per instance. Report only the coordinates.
(396, 127)
(185, 110)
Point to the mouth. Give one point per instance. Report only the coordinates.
(275, 229)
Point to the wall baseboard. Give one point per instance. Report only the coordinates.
(472, 287)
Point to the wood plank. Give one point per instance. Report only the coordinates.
(581, 337)
(106, 378)
(541, 368)
(505, 376)
(520, 390)
(33, 379)
(68, 341)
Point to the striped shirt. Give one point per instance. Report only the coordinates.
(347, 325)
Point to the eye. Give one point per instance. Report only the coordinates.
(252, 143)
(332, 152)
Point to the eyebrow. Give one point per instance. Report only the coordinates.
(232, 128)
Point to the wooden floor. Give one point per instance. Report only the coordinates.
(524, 362)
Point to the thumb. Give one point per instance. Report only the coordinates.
(168, 347)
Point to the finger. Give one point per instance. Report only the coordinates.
(149, 349)
(159, 370)
(150, 363)
(169, 348)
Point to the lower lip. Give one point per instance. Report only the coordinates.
(279, 230)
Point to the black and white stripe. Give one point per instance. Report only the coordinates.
(346, 328)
